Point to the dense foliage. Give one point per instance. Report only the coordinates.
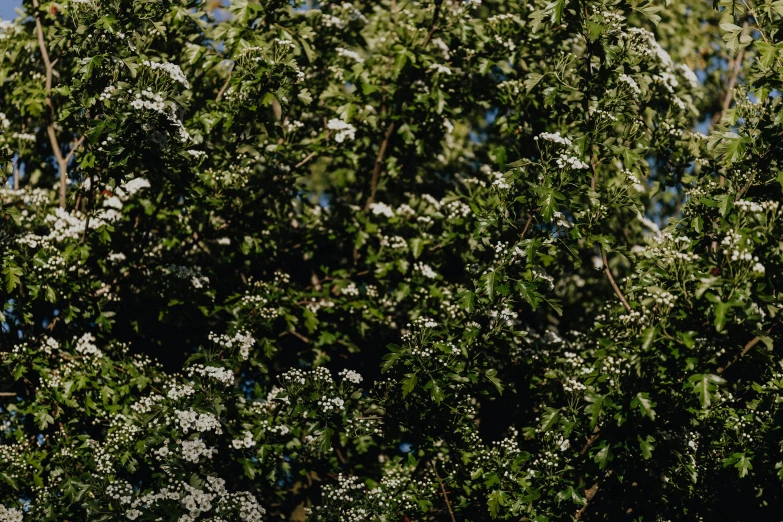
(396, 260)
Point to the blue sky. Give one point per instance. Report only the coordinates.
(7, 8)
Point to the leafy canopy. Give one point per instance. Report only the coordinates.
(423, 260)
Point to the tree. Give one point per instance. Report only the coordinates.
(391, 260)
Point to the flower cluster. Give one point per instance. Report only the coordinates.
(241, 341)
(173, 71)
(343, 130)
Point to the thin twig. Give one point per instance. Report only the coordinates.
(225, 85)
(295, 334)
(745, 349)
(340, 455)
(7, 394)
(62, 165)
(527, 226)
(590, 440)
(376, 174)
(589, 494)
(443, 490)
(376, 171)
(312, 154)
(304, 161)
(300, 336)
(733, 79)
(611, 280)
(73, 149)
(522, 234)
(736, 68)
(62, 428)
(433, 26)
(50, 326)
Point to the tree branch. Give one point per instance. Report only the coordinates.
(590, 440)
(62, 165)
(76, 145)
(443, 490)
(295, 334)
(524, 231)
(340, 455)
(225, 85)
(527, 226)
(611, 280)
(311, 155)
(433, 27)
(589, 494)
(735, 69)
(376, 171)
(745, 349)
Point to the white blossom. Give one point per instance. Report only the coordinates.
(343, 130)
(382, 209)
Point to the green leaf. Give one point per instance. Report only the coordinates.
(603, 457)
(554, 304)
(467, 300)
(596, 406)
(308, 50)
(646, 446)
(645, 405)
(741, 461)
(530, 82)
(570, 493)
(557, 11)
(732, 28)
(496, 500)
(43, 419)
(249, 468)
(529, 292)
(698, 224)
(767, 52)
(12, 277)
(595, 30)
(725, 202)
(492, 377)
(549, 418)
(721, 310)
(548, 201)
(650, 11)
(648, 337)
(491, 479)
(489, 283)
(391, 358)
(705, 386)
(310, 319)
(735, 150)
(325, 440)
(437, 392)
(305, 96)
(409, 383)
(417, 246)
